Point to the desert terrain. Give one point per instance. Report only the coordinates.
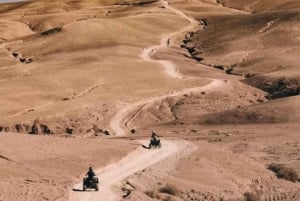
(83, 83)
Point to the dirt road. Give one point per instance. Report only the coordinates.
(170, 68)
(113, 174)
(141, 158)
(117, 123)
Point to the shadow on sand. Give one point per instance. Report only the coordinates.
(145, 147)
(77, 190)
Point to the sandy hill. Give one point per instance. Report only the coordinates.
(84, 83)
(262, 6)
(79, 52)
(262, 45)
(278, 111)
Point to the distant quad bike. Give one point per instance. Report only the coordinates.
(154, 144)
(90, 183)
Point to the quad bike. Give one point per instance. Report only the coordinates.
(154, 144)
(89, 183)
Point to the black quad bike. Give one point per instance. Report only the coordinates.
(90, 183)
(154, 144)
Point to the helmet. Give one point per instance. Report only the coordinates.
(153, 133)
(90, 168)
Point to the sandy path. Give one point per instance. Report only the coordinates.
(112, 175)
(170, 68)
(117, 123)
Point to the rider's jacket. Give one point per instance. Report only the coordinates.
(90, 174)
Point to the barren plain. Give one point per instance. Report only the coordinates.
(83, 83)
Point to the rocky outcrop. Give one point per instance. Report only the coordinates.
(35, 128)
(91, 121)
(54, 127)
(18, 56)
(51, 31)
(276, 87)
(138, 3)
(191, 50)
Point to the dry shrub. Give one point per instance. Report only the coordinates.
(51, 31)
(168, 198)
(283, 172)
(151, 194)
(169, 189)
(252, 197)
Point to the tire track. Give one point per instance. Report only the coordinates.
(170, 68)
(113, 174)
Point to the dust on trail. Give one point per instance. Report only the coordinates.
(141, 158)
(113, 174)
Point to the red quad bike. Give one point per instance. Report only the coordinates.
(90, 183)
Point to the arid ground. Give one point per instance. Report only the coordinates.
(83, 83)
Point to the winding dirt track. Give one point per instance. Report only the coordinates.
(141, 158)
(112, 175)
(117, 123)
(170, 67)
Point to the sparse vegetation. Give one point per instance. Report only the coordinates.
(283, 172)
(51, 31)
(168, 198)
(169, 189)
(116, 65)
(151, 193)
(252, 196)
(276, 87)
(4, 158)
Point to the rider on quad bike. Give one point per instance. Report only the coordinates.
(90, 173)
(154, 141)
(90, 180)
